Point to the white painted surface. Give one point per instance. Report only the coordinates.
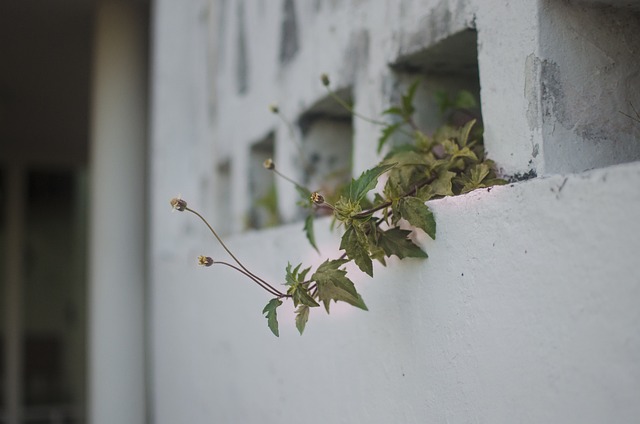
(117, 217)
(526, 310)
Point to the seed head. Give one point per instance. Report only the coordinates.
(205, 261)
(268, 164)
(274, 108)
(178, 204)
(317, 198)
(325, 79)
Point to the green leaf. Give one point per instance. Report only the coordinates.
(272, 315)
(298, 290)
(442, 185)
(410, 168)
(375, 251)
(386, 133)
(407, 100)
(293, 277)
(441, 98)
(463, 138)
(473, 178)
(308, 230)
(366, 182)
(418, 214)
(333, 284)
(465, 100)
(395, 110)
(302, 316)
(395, 242)
(355, 244)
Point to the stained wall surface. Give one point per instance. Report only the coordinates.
(526, 309)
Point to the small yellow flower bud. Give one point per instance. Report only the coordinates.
(317, 198)
(205, 261)
(268, 164)
(274, 108)
(325, 79)
(178, 204)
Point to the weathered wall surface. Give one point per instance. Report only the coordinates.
(525, 311)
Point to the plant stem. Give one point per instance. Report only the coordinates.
(281, 175)
(246, 271)
(269, 288)
(350, 109)
(413, 191)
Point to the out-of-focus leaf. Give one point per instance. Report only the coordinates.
(387, 132)
(308, 230)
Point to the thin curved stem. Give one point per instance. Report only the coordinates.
(281, 175)
(262, 284)
(350, 109)
(248, 273)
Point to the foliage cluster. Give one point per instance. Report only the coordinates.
(449, 162)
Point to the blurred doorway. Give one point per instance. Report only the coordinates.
(45, 58)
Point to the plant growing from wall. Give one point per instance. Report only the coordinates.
(449, 162)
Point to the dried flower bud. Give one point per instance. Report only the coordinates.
(325, 79)
(205, 261)
(274, 108)
(178, 204)
(268, 164)
(317, 198)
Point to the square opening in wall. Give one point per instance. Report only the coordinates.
(589, 85)
(263, 207)
(448, 90)
(327, 145)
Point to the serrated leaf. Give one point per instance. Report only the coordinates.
(308, 230)
(302, 316)
(463, 137)
(333, 284)
(395, 110)
(418, 214)
(354, 242)
(302, 297)
(366, 182)
(473, 178)
(396, 242)
(410, 168)
(272, 315)
(295, 276)
(442, 185)
(386, 133)
(407, 100)
(375, 251)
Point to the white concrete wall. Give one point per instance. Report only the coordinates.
(525, 311)
(117, 216)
